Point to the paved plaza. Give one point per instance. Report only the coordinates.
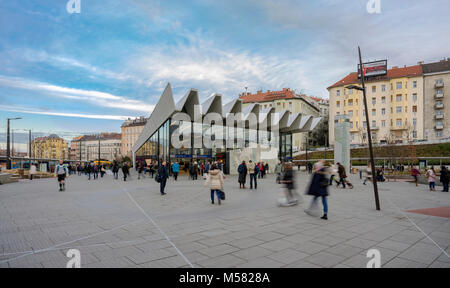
(129, 224)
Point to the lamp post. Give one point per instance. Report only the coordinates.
(372, 162)
(8, 145)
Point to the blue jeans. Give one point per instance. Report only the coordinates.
(324, 203)
(253, 178)
(212, 195)
(432, 185)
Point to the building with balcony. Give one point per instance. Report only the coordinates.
(131, 129)
(287, 100)
(50, 147)
(437, 99)
(395, 106)
(88, 147)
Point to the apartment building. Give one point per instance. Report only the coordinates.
(395, 106)
(437, 102)
(131, 129)
(287, 99)
(50, 147)
(87, 147)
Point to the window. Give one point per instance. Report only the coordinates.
(398, 123)
(414, 134)
(383, 123)
(439, 81)
(365, 124)
(338, 93)
(398, 98)
(350, 102)
(290, 105)
(414, 97)
(356, 124)
(338, 104)
(383, 88)
(374, 89)
(414, 84)
(383, 111)
(399, 109)
(439, 123)
(391, 110)
(265, 106)
(350, 91)
(374, 101)
(351, 125)
(374, 123)
(406, 109)
(398, 85)
(350, 113)
(438, 133)
(338, 113)
(383, 100)
(374, 112)
(278, 104)
(414, 122)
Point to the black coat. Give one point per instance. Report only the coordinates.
(162, 172)
(445, 177)
(319, 184)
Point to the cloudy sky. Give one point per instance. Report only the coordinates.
(80, 73)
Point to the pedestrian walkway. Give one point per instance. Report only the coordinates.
(129, 224)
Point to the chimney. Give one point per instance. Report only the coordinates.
(420, 63)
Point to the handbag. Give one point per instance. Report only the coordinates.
(222, 195)
(157, 178)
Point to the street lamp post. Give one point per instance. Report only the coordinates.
(372, 162)
(8, 144)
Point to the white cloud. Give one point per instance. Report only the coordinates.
(95, 97)
(61, 114)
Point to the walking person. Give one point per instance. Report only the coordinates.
(253, 172)
(444, 178)
(319, 188)
(278, 170)
(242, 170)
(214, 180)
(115, 170)
(88, 170)
(431, 175)
(266, 169)
(175, 170)
(368, 174)
(32, 171)
(125, 171)
(140, 171)
(95, 171)
(415, 173)
(342, 174)
(310, 167)
(162, 175)
(288, 181)
(61, 172)
(102, 171)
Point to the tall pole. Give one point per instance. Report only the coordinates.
(372, 162)
(98, 149)
(12, 136)
(8, 148)
(29, 143)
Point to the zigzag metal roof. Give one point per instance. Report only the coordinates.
(190, 104)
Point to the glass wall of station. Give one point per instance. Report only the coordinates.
(186, 142)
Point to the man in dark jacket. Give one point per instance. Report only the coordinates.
(445, 178)
(163, 175)
(125, 171)
(342, 174)
(242, 170)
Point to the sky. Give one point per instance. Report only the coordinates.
(79, 73)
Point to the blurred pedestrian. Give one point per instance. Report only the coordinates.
(444, 178)
(319, 188)
(431, 175)
(215, 182)
(242, 170)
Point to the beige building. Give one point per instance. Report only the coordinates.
(131, 130)
(86, 148)
(50, 147)
(395, 105)
(437, 102)
(285, 99)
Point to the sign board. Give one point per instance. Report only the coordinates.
(373, 69)
(422, 164)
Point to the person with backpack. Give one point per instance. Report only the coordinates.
(242, 170)
(444, 178)
(253, 172)
(162, 176)
(215, 182)
(61, 172)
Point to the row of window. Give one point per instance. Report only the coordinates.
(398, 85)
(398, 123)
(398, 98)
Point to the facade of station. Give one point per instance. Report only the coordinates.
(188, 131)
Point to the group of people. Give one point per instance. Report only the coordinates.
(431, 176)
(255, 170)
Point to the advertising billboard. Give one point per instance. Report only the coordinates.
(373, 69)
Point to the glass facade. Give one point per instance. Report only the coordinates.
(204, 142)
